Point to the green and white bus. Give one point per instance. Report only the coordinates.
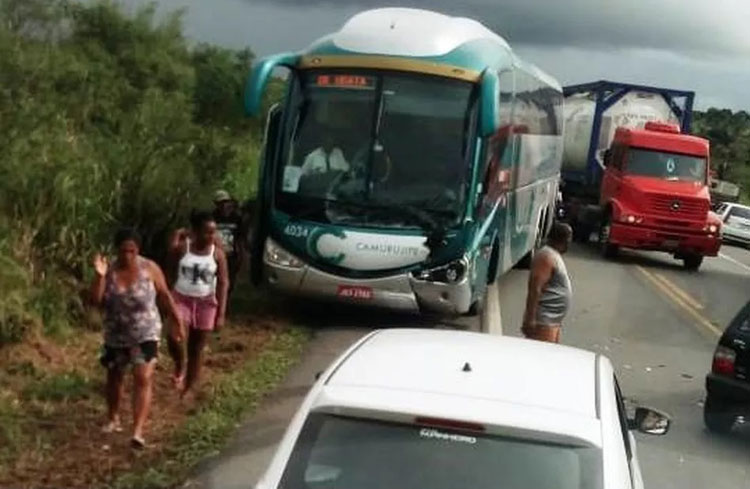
(414, 159)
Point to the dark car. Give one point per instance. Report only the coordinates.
(728, 384)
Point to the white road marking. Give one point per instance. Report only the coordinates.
(492, 322)
(736, 262)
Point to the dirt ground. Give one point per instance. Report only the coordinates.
(57, 441)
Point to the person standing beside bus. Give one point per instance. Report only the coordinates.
(550, 291)
(200, 292)
(230, 227)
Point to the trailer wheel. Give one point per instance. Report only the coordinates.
(581, 231)
(692, 262)
(608, 249)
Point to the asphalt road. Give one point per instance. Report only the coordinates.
(657, 323)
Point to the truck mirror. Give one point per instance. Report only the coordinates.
(259, 76)
(490, 113)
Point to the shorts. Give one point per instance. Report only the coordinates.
(544, 332)
(122, 356)
(197, 312)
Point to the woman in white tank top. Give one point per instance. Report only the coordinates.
(200, 292)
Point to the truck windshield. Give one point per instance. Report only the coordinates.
(669, 166)
(361, 147)
(345, 453)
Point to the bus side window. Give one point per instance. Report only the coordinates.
(507, 92)
(498, 147)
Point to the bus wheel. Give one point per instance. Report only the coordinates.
(525, 262)
(471, 320)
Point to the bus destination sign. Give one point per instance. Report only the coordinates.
(344, 81)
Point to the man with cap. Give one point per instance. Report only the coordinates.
(229, 224)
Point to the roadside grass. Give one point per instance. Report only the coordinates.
(205, 432)
(67, 386)
(52, 407)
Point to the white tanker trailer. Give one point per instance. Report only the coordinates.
(632, 173)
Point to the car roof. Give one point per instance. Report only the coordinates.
(462, 365)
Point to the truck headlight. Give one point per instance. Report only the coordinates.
(277, 255)
(712, 228)
(450, 273)
(631, 219)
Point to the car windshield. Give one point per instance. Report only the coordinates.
(345, 453)
(364, 146)
(669, 166)
(741, 212)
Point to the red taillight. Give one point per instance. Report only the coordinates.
(723, 361)
(448, 423)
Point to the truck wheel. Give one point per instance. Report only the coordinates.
(608, 249)
(717, 417)
(581, 232)
(692, 262)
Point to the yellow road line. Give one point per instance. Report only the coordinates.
(680, 292)
(699, 318)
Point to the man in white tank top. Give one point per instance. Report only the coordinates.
(550, 292)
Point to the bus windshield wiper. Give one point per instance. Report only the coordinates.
(433, 229)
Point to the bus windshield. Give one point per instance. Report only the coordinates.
(668, 166)
(362, 148)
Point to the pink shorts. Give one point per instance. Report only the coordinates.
(197, 312)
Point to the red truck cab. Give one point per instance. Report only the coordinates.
(655, 194)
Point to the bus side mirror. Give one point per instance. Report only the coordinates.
(259, 76)
(490, 108)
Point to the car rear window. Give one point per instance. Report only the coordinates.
(336, 452)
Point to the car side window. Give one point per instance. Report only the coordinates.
(622, 415)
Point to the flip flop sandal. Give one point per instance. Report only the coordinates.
(137, 443)
(178, 381)
(112, 427)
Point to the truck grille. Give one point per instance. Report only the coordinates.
(678, 207)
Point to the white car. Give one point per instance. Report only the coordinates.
(736, 218)
(440, 409)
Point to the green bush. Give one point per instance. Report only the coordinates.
(105, 120)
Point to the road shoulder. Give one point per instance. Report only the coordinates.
(242, 461)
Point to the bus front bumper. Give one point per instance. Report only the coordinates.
(400, 292)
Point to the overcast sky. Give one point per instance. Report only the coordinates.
(701, 45)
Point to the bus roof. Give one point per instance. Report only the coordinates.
(422, 35)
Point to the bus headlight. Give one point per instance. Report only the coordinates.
(277, 255)
(450, 273)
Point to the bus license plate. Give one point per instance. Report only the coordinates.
(355, 292)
